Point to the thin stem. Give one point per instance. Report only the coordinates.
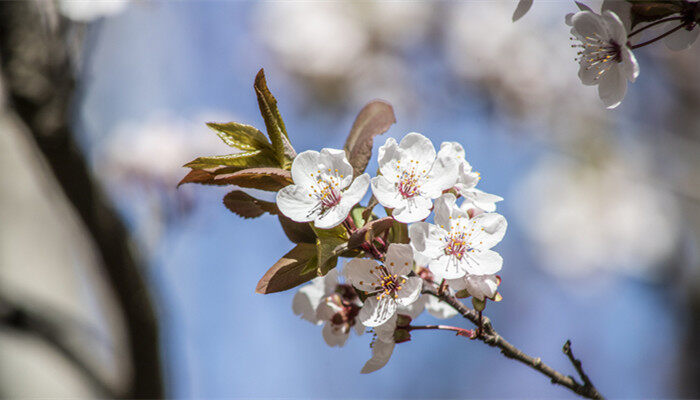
(492, 338)
(438, 327)
(636, 31)
(636, 46)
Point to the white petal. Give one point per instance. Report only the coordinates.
(332, 217)
(399, 259)
(356, 191)
(358, 272)
(489, 229)
(448, 267)
(483, 262)
(307, 299)
(446, 211)
(410, 291)
(478, 286)
(587, 73)
(359, 328)
(330, 281)
(615, 27)
(629, 64)
(612, 87)
(439, 309)
(416, 208)
(442, 176)
(375, 312)
(336, 159)
(417, 149)
(385, 331)
(295, 203)
(381, 353)
(622, 9)
(303, 166)
(334, 336)
(389, 154)
(326, 310)
(386, 193)
(483, 200)
(451, 149)
(522, 8)
(425, 240)
(587, 23)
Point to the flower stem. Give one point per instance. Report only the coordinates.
(460, 331)
(636, 46)
(636, 31)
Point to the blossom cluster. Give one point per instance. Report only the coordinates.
(414, 181)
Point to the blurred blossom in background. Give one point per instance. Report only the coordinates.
(604, 206)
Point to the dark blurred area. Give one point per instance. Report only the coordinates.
(114, 283)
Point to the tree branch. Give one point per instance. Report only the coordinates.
(489, 336)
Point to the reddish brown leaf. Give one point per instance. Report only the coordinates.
(369, 231)
(270, 179)
(289, 272)
(374, 119)
(297, 232)
(247, 206)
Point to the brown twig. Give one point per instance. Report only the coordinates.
(489, 336)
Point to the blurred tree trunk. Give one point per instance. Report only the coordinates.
(39, 86)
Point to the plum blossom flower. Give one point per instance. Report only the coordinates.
(467, 179)
(387, 284)
(323, 189)
(477, 286)
(457, 244)
(604, 57)
(326, 301)
(411, 177)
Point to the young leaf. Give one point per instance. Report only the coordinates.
(207, 176)
(369, 231)
(330, 243)
(284, 152)
(649, 11)
(374, 119)
(240, 136)
(270, 179)
(247, 159)
(288, 272)
(247, 206)
(297, 232)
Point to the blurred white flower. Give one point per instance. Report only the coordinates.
(90, 10)
(326, 301)
(458, 245)
(412, 175)
(323, 191)
(589, 219)
(386, 284)
(604, 57)
(682, 38)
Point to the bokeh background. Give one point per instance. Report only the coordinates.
(113, 282)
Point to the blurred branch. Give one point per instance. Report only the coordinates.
(25, 320)
(38, 77)
(488, 335)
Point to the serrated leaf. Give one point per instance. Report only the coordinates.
(287, 273)
(297, 232)
(369, 231)
(270, 179)
(247, 159)
(374, 119)
(330, 244)
(247, 206)
(240, 136)
(284, 152)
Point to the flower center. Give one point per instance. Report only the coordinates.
(457, 244)
(346, 300)
(409, 180)
(386, 284)
(326, 190)
(598, 53)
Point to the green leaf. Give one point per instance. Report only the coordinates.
(248, 159)
(330, 244)
(288, 272)
(479, 305)
(399, 232)
(284, 152)
(374, 119)
(270, 179)
(247, 206)
(297, 232)
(240, 136)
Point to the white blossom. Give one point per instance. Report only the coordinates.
(467, 179)
(478, 286)
(326, 301)
(323, 189)
(604, 57)
(412, 176)
(682, 38)
(387, 284)
(90, 10)
(457, 245)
